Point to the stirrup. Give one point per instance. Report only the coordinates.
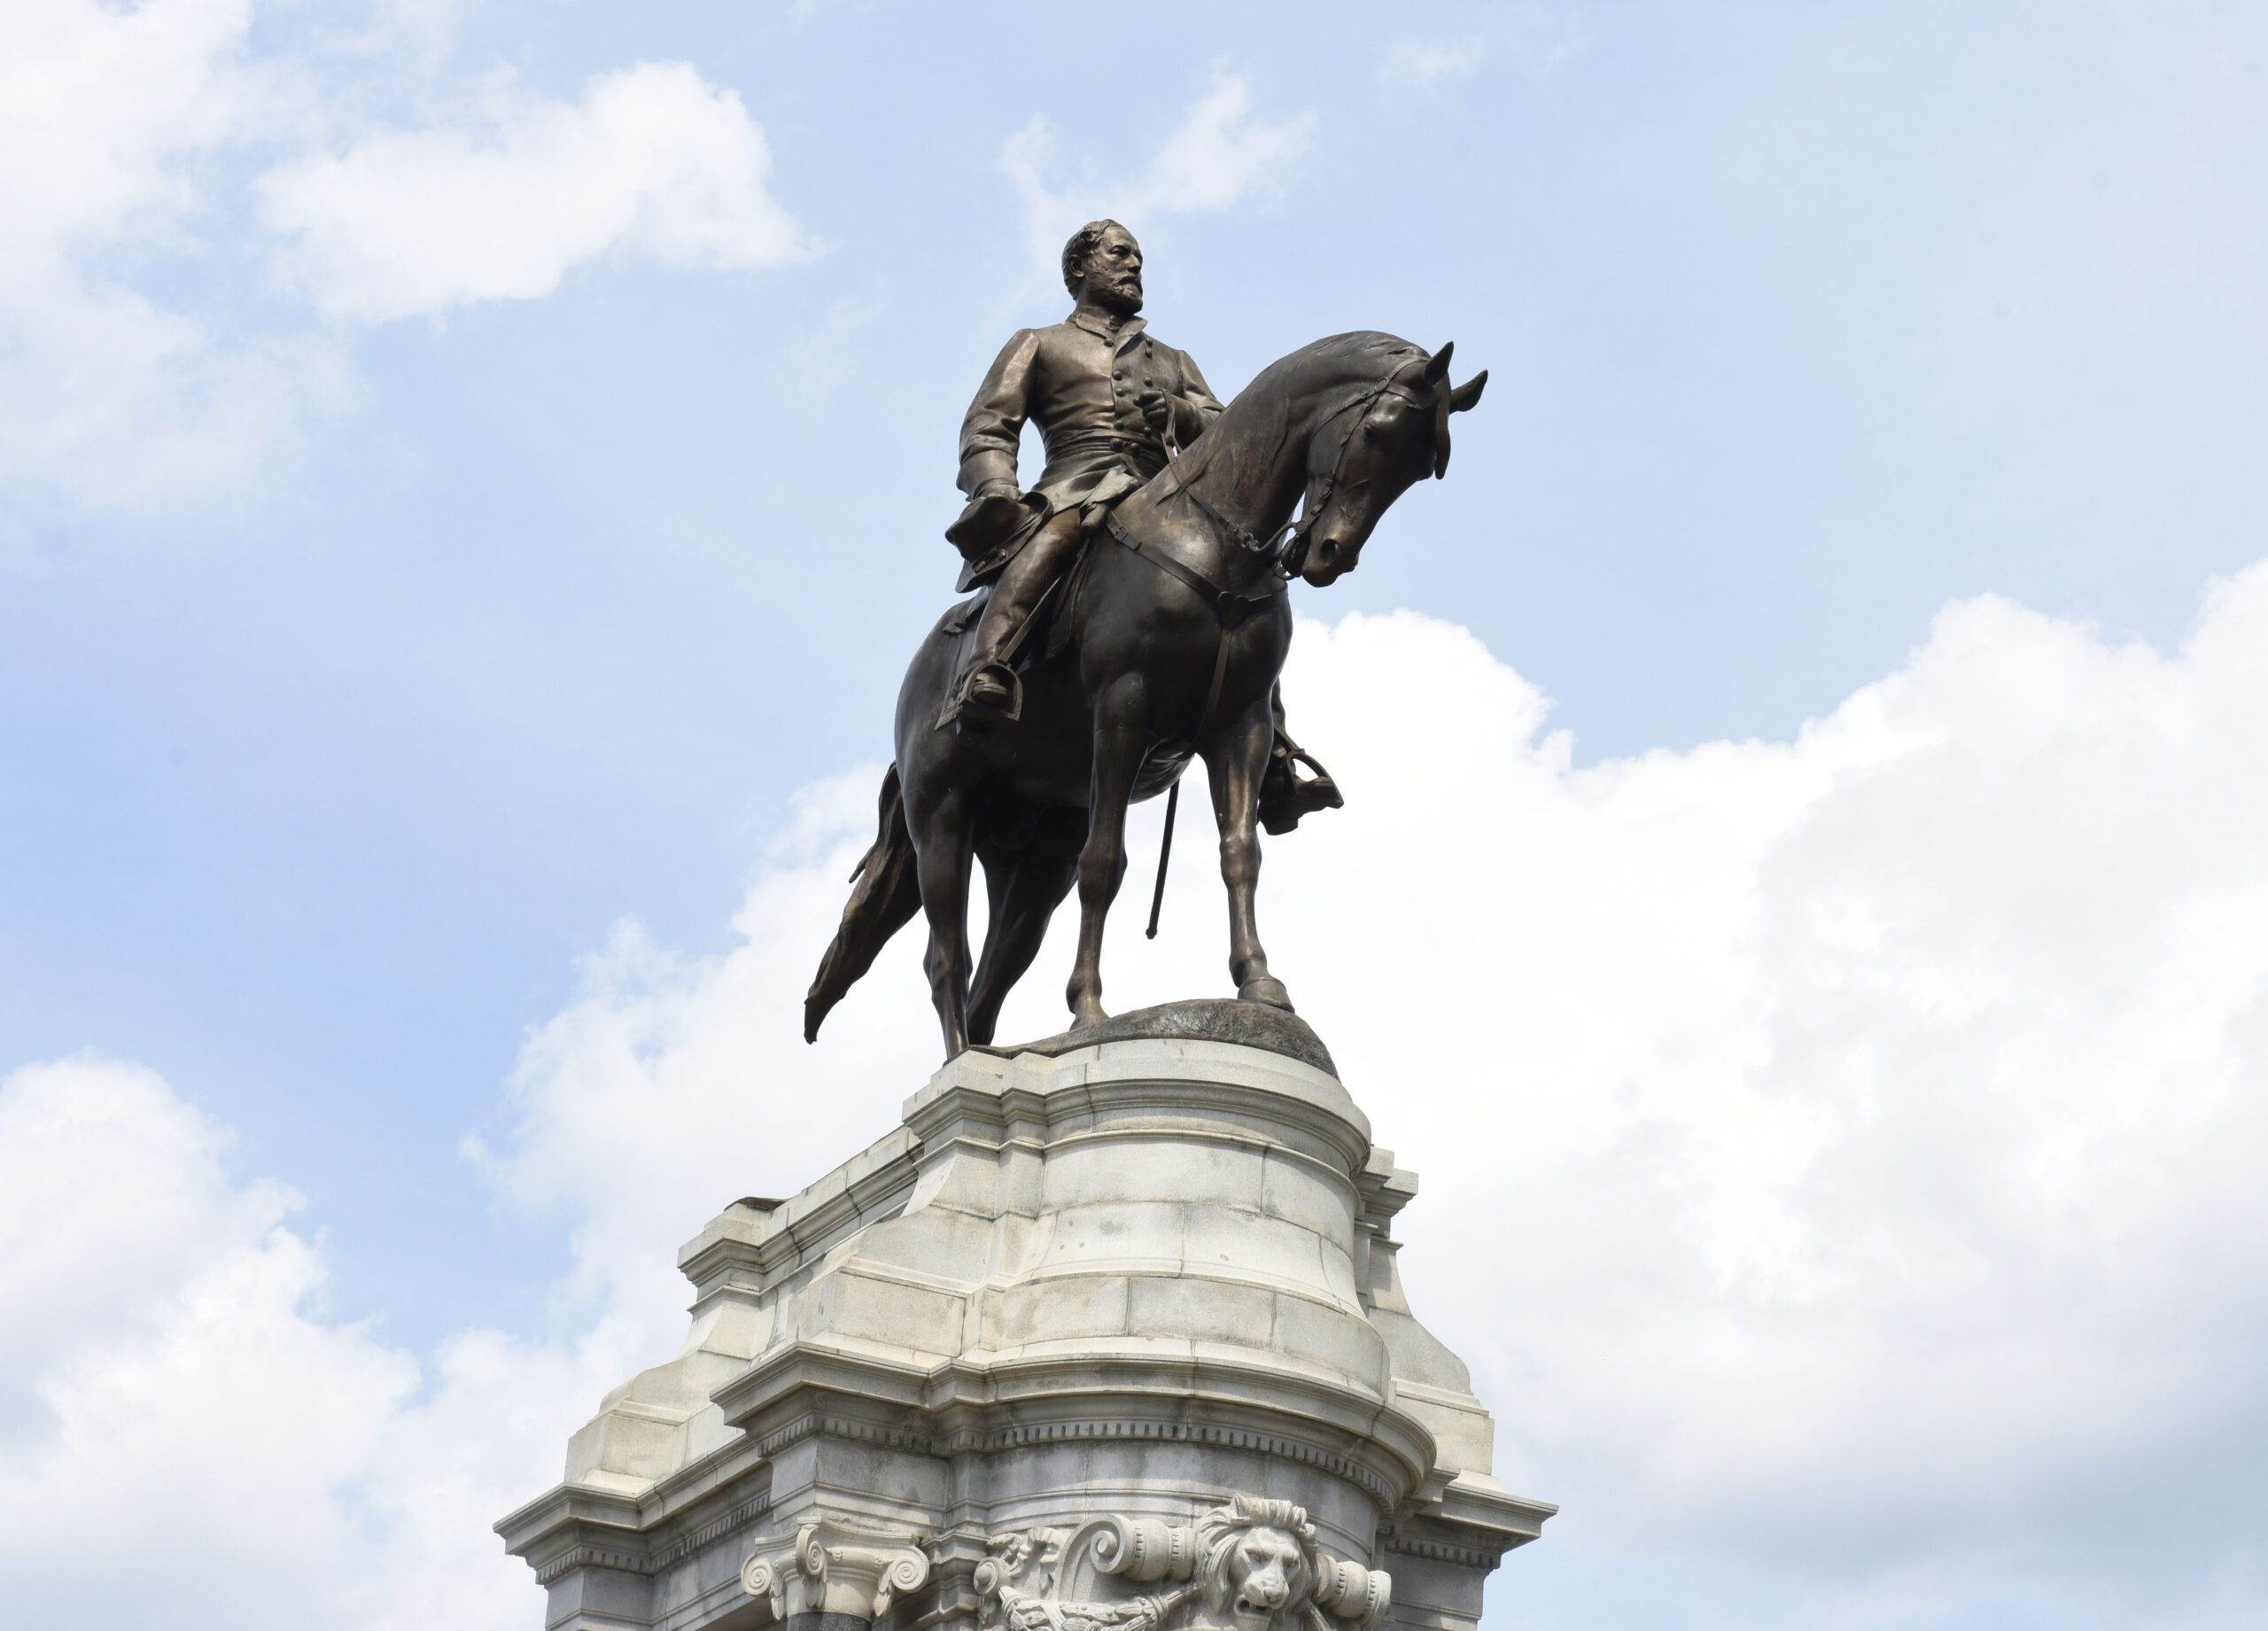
(1286, 796)
(1013, 685)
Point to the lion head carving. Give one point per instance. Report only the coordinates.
(1249, 1565)
(1257, 1563)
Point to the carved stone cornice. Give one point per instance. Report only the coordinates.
(975, 1402)
(984, 1102)
(749, 1249)
(623, 1559)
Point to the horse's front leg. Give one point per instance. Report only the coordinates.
(1235, 760)
(1120, 743)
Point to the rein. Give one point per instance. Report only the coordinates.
(1290, 546)
(1285, 549)
(1285, 552)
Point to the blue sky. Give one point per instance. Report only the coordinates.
(463, 585)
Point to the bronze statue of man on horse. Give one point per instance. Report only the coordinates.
(1112, 403)
(1131, 612)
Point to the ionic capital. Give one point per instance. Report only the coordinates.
(835, 1570)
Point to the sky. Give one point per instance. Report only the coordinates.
(471, 475)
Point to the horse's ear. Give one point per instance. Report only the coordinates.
(1438, 370)
(1468, 393)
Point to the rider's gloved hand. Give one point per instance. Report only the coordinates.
(1157, 407)
(1000, 486)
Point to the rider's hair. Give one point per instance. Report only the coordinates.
(1082, 245)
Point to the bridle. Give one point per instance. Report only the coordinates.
(1286, 548)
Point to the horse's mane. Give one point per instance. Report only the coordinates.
(1362, 358)
(1329, 373)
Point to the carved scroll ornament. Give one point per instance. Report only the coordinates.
(1250, 1565)
(836, 1572)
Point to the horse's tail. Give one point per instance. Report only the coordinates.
(887, 896)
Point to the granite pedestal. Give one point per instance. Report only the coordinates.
(1107, 1333)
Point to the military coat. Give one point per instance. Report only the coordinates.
(1082, 384)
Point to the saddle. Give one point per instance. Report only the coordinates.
(1045, 635)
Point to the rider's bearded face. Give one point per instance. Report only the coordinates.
(1114, 275)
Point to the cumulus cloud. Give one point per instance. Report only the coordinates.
(1838, 1153)
(109, 119)
(1219, 156)
(425, 30)
(652, 163)
(1837, 1150)
(189, 1437)
(126, 133)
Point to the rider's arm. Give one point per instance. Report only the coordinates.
(995, 421)
(1196, 407)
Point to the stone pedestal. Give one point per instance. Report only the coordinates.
(1109, 1334)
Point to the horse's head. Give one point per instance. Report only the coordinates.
(1368, 454)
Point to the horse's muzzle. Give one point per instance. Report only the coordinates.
(1329, 559)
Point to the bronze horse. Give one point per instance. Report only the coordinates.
(1177, 626)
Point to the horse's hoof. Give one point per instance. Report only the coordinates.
(1086, 1015)
(1266, 989)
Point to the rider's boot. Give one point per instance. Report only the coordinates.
(1284, 795)
(991, 684)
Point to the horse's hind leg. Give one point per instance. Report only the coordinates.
(1028, 886)
(1120, 748)
(945, 849)
(1235, 761)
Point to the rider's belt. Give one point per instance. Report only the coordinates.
(1116, 441)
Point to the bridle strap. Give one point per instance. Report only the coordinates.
(1292, 552)
(1287, 545)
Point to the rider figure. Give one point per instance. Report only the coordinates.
(1106, 393)
(1107, 396)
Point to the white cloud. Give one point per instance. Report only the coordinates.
(125, 133)
(1839, 1155)
(1533, 41)
(109, 120)
(1412, 65)
(1867, 1120)
(1219, 156)
(652, 163)
(425, 30)
(187, 1437)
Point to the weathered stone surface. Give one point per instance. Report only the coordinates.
(1097, 1281)
(1246, 1024)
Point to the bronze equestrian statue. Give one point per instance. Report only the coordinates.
(1112, 402)
(1149, 622)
